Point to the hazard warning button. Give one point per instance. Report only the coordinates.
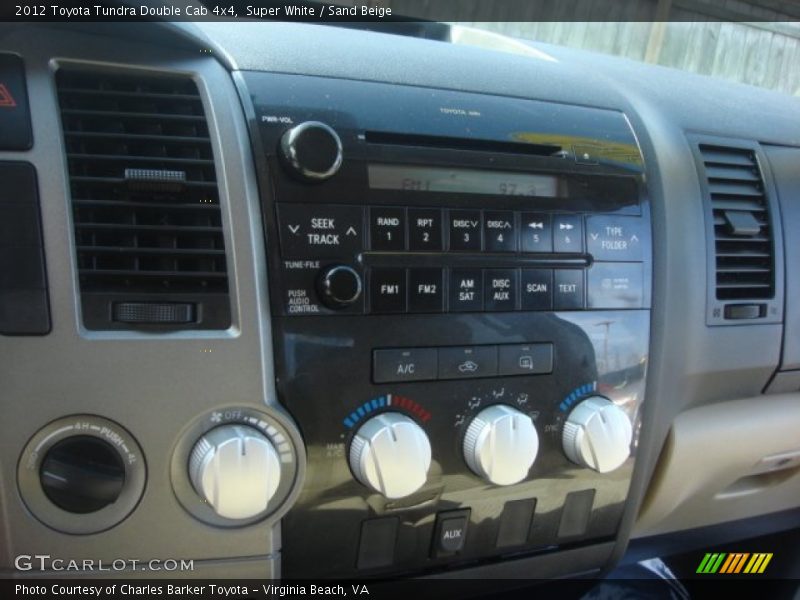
(15, 116)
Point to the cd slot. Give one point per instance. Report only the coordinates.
(483, 259)
(454, 143)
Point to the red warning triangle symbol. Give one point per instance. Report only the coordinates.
(6, 99)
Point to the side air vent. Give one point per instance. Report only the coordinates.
(744, 256)
(145, 202)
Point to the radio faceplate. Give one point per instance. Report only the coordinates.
(432, 255)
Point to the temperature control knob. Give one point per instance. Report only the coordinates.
(597, 435)
(501, 444)
(236, 469)
(391, 454)
(312, 151)
(339, 286)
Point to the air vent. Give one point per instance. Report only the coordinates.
(145, 202)
(743, 240)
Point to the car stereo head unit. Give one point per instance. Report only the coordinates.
(461, 291)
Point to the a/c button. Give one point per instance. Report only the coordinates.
(404, 364)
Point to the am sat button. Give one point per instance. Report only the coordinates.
(467, 362)
(404, 364)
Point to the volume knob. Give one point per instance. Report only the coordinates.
(236, 469)
(311, 151)
(501, 444)
(391, 454)
(597, 435)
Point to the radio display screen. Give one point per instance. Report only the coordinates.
(465, 181)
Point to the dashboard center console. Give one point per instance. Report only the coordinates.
(460, 286)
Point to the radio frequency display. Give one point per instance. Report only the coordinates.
(466, 181)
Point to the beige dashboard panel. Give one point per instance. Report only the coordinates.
(726, 461)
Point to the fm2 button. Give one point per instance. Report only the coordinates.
(451, 532)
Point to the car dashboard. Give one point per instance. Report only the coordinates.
(300, 301)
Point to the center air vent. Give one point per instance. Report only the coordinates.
(148, 225)
(744, 237)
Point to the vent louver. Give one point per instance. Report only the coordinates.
(148, 225)
(743, 240)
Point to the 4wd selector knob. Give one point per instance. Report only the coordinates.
(236, 469)
(339, 286)
(311, 151)
(597, 435)
(391, 454)
(501, 444)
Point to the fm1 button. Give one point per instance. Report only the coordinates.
(451, 532)
(404, 364)
(387, 290)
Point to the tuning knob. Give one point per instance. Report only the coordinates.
(311, 151)
(391, 454)
(339, 286)
(236, 469)
(597, 435)
(501, 444)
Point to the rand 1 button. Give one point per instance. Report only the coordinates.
(525, 359)
(387, 290)
(466, 290)
(425, 230)
(404, 364)
(500, 289)
(536, 232)
(615, 285)
(568, 233)
(568, 289)
(465, 230)
(320, 230)
(467, 362)
(536, 289)
(500, 232)
(451, 532)
(387, 229)
(425, 292)
(614, 238)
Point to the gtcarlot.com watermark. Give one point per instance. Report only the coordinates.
(45, 562)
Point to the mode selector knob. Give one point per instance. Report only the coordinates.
(311, 151)
(501, 444)
(236, 469)
(391, 454)
(339, 286)
(597, 435)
